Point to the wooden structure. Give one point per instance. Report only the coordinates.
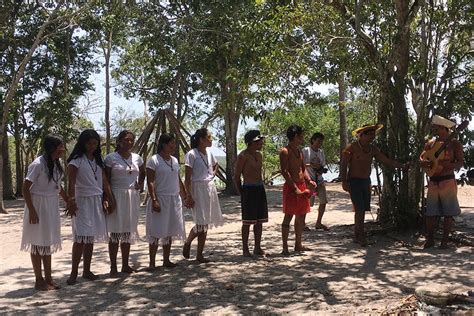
(166, 122)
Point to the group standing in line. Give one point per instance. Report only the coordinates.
(103, 196)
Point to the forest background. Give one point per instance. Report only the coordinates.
(222, 63)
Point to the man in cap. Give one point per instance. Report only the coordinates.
(441, 198)
(358, 157)
(295, 193)
(252, 191)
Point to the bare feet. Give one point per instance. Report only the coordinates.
(72, 279)
(202, 260)
(285, 252)
(150, 268)
(113, 272)
(169, 264)
(246, 253)
(322, 226)
(444, 245)
(41, 285)
(302, 249)
(128, 269)
(89, 276)
(428, 244)
(258, 252)
(186, 250)
(52, 285)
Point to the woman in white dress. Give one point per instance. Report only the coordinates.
(126, 174)
(41, 223)
(89, 199)
(164, 215)
(201, 167)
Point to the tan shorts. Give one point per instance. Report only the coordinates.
(322, 196)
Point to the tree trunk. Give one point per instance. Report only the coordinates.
(343, 138)
(231, 124)
(231, 121)
(11, 92)
(107, 101)
(8, 193)
(18, 160)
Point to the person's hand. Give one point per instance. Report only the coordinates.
(312, 184)
(71, 207)
(426, 164)
(189, 202)
(345, 186)
(34, 219)
(155, 206)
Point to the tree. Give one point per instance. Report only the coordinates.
(56, 20)
(107, 24)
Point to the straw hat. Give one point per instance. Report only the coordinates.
(375, 127)
(441, 121)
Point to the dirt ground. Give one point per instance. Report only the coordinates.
(336, 277)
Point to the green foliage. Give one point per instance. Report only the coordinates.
(319, 114)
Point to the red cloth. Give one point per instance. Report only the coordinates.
(295, 204)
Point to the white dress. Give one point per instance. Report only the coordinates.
(43, 238)
(168, 224)
(88, 226)
(122, 223)
(206, 211)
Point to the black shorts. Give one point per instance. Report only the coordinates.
(254, 204)
(360, 194)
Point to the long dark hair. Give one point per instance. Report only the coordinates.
(165, 138)
(200, 133)
(121, 136)
(80, 147)
(50, 144)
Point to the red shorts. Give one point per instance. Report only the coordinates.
(294, 204)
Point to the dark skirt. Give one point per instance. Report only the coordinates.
(254, 204)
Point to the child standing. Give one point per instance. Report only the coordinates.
(201, 167)
(41, 223)
(164, 213)
(126, 174)
(86, 204)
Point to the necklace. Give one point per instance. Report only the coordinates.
(363, 150)
(170, 164)
(205, 162)
(129, 166)
(92, 168)
(296, 152)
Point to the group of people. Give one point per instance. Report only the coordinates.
(103, 200)
(103, 195)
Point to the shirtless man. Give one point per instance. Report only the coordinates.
(295, 194)
(252, 191)
(358, 156)
(441, 198)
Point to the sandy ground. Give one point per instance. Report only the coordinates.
(336, 277)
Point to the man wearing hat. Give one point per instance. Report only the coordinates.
(356, 167)
(441, 198)
(252, 191)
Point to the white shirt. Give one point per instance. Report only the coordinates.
(124, 172)
(201, 164)
(89, 176)
(38, 175)
(166, 174)
(311, 156)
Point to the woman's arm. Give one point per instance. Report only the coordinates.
(29, 202)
